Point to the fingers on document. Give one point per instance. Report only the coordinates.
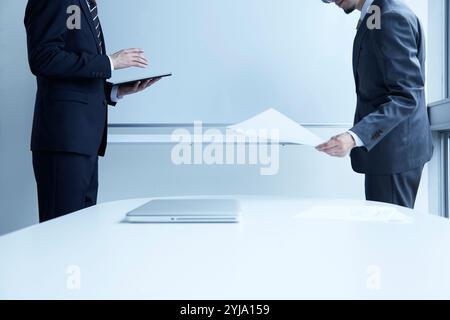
(328, 146)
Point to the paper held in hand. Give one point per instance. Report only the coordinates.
(290, 132)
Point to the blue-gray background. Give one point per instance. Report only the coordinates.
(231, 59)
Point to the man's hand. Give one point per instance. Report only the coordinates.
(138, 86)
(338, 146)
(129, 58)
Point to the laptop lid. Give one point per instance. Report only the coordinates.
(187, 210)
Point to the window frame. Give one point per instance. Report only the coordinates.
(447, 49)
(439, 114)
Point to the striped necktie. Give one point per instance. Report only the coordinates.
(92, 5)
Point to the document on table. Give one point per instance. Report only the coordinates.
(270, 120)
(356, 213)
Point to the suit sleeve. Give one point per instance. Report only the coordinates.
(46, 26)
(108, 90)
(396, 50)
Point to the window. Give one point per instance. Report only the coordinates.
(439, 109)
(447, 51)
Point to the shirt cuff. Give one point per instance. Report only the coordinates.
(111, 63)
(114, 91)
(357, 139)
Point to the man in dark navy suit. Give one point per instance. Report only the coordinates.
(391, 140)
(70, 118)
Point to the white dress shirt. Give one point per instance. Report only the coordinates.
(364, 11)
(365, 8)
(115, 89)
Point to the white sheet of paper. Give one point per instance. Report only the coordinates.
(289, 130)
(356, 213)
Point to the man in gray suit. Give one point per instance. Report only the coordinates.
(391, 139)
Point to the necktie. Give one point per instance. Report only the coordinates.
(92, 5)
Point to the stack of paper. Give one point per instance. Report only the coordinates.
(356, 213)
(289, 130)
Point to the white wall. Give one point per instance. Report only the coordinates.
(144, 170)
(17, 89)
(232, 59)
(131, 171)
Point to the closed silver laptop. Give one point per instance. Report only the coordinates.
(187, 211)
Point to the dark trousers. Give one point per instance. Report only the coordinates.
(66, 182)
(400, 189)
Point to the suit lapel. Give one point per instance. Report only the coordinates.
(362, 30)
(357, 45)
(87, 14)
(102, 37)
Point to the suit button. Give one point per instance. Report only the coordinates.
(105, 102)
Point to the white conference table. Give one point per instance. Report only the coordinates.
(271, 254)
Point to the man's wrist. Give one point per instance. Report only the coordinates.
(356, 138)
(353, 139)
(115, 94)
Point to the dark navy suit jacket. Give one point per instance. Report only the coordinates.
(72, 92)
(391, 116)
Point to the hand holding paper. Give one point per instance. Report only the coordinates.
(289, 130)
(338, 146)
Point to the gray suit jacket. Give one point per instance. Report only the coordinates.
(391, 116)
